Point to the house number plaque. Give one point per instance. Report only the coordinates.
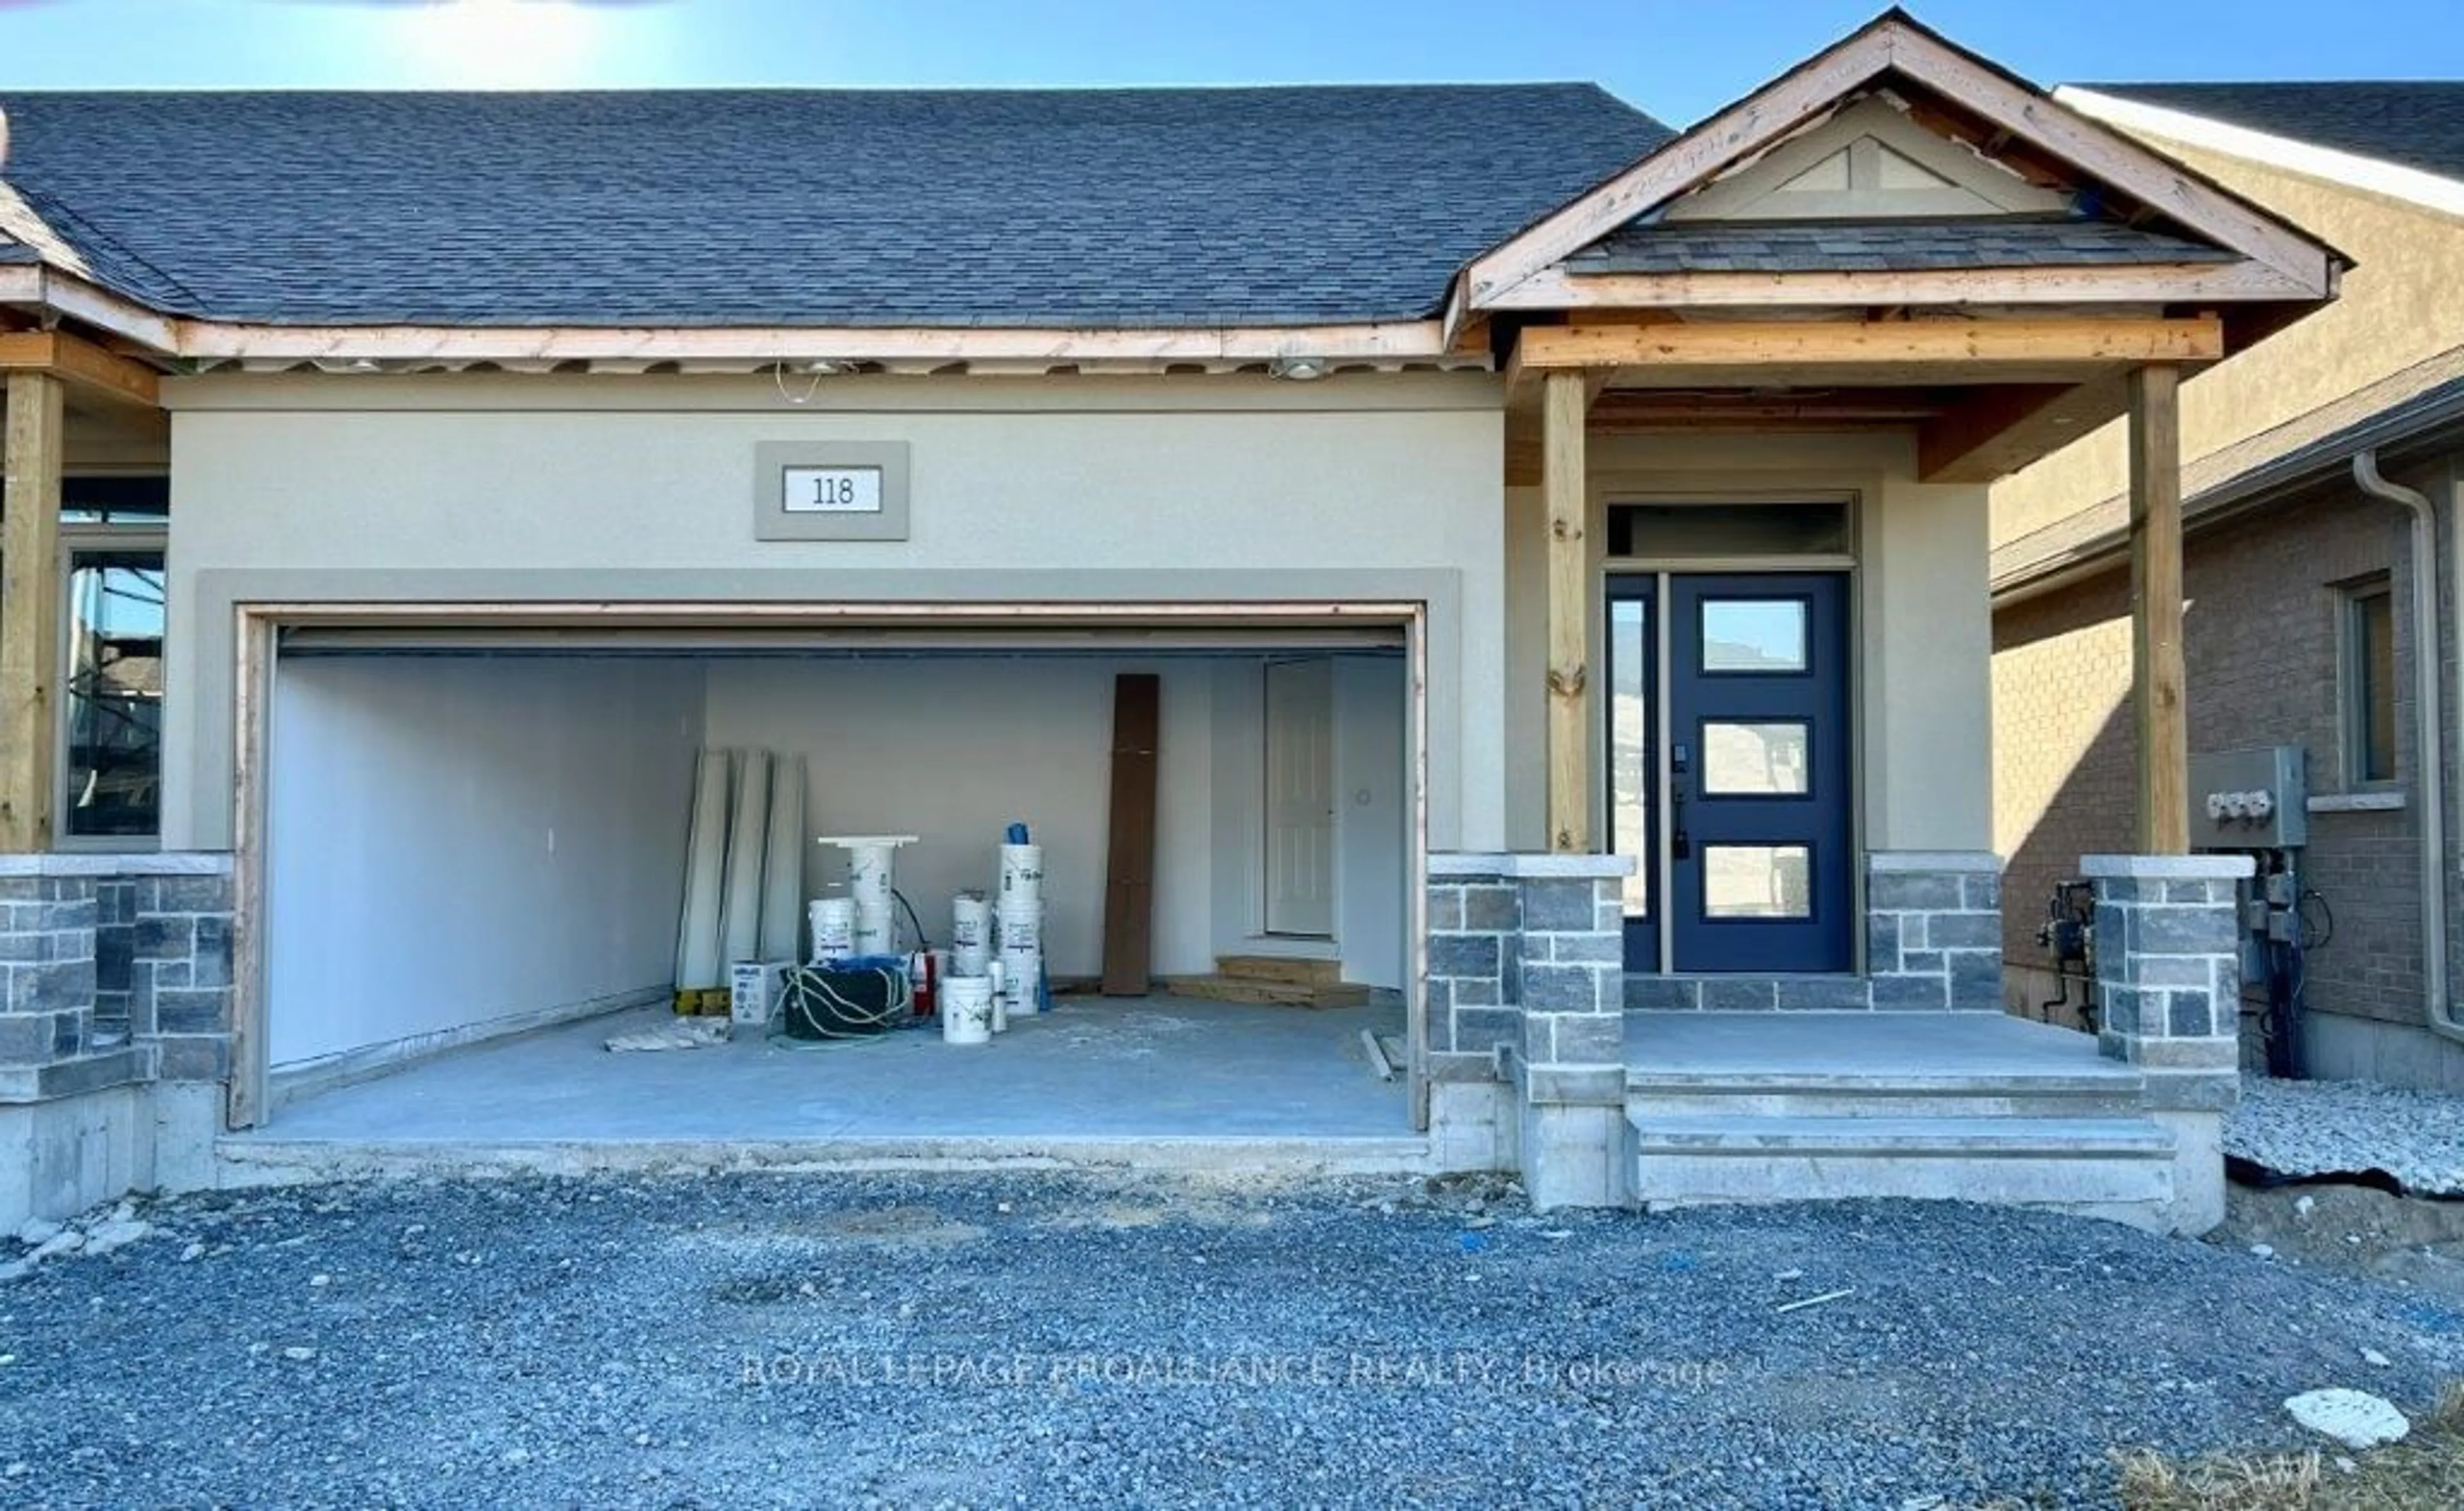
(830, 490)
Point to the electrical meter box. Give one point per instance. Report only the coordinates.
(2250, 800)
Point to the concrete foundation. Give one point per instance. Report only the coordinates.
(2337, 1047)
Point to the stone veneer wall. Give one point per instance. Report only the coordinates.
(1933, 939)
(114, 969)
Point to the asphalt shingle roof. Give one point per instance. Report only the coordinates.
(2417, 125)
(1115, 208)
(1884, 247)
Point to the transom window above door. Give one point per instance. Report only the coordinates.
(1733, 531)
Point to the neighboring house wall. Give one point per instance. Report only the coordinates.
(2264, 653)
(2396, 307)
(2262, 630)
(1197, 489)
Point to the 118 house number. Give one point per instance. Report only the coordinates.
(832, 490)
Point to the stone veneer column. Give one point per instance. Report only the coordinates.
(2168, 987)
(1933, 929)
(1525, 982)
(1571, 1144)
(2168, 959)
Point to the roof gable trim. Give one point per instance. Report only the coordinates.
(2415, 186)
(1894, 44)
(1859, 148)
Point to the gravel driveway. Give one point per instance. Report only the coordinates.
(1049, 1340)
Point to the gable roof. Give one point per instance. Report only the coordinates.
(1110, 208)
(1895, 51)
(2415, 124)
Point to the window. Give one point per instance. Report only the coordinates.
(2369, 682)
(1700, 532)
(1757, 881)
(112, 551)
(1754, 635)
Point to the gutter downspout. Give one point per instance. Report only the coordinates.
(2429, 725)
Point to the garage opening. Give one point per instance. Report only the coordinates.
(475, 856)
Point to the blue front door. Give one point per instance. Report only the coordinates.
(1737, 791)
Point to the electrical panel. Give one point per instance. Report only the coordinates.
(2250, 800)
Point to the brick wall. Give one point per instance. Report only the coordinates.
(2262, 656)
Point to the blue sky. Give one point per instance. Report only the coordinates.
(1678, 58)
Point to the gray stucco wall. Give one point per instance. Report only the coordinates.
(480, 488)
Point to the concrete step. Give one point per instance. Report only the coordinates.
(2071, 1162)
(1815, 1095)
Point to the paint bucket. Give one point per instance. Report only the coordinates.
(1001, 1001)
(1022, 959)
(1022, 875)
(967, 1010)
(833, 921)
(869, 879)
(971, 929)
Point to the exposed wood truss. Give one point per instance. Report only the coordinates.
(1996, 431)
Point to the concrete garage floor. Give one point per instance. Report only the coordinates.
(1148, 1080)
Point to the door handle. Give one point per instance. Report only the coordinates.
(1681, 846)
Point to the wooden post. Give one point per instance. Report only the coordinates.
(1564, 406)
(2159, 706)
(29, 609)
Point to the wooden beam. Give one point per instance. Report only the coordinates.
(95, 371)
(1565, 481)
(1950, 344)
(29, 608)
(1129, 881)
(1997, 430)
(2159, 706)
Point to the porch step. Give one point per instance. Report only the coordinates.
(1814, 1094)
(1249, 989)
(2074, 1162)
(1291, 969)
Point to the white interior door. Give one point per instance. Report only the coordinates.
(1300, 798)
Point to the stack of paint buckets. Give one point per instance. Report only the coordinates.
(971, 1007)
(1020, 919)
